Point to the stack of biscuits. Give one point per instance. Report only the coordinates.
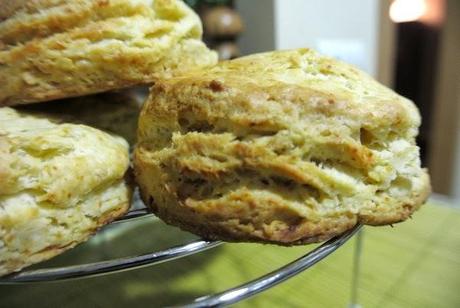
(285, 147)
(68, 68)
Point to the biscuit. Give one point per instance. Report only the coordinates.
(59, 184)
(285, 147)
(113, 112)
(51, 49)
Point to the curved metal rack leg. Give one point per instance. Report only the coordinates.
(356, 270)
(258, 285)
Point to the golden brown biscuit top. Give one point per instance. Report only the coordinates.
(58, 164)
(34, 19)
(302, 75)
(53, 49)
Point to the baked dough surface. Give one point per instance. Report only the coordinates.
(286, 147)
(115, 112)
(52, 49)
(59, 183)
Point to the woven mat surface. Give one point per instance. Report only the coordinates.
(413, 264)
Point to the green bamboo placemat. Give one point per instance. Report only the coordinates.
(414, 264)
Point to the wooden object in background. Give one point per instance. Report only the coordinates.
(222, 22)
(222, 26)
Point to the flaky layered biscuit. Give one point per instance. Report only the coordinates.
(285, 147)
(52, 49)
(59, 183)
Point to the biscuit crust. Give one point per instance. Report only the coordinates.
(51, 49)
(286, 147)
(59, 184)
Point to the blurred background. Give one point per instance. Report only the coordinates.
(412, 46)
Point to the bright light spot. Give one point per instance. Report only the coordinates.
(407, 10)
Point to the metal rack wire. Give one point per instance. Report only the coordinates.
(227, 297)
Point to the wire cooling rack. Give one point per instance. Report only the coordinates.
(224, 298)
